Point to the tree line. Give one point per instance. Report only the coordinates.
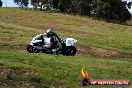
(109, 10)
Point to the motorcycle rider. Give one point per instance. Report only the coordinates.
(55, 41)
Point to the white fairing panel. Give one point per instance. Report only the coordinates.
(46, 41)
(70, 41)
(36, 41)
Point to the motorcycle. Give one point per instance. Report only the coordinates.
(37, 45)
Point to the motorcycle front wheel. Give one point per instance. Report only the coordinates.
(31, 49)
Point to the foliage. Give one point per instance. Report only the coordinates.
(22, 3)
(109, 10)
(55, 3)
(113, 10)
(1, 3)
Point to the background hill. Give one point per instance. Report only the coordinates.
(104, 49)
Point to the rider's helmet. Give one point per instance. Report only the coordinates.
(50, 32)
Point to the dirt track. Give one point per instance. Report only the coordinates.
(83, 50)
(100, 52)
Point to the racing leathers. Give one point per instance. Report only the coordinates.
(55, 43)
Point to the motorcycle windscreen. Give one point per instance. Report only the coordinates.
(69, 42)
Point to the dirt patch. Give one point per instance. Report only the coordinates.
(7, 72)
(100, 52)
(12, 77)
(3, 71)
(14, 47)
(18, 47)
(85, 50)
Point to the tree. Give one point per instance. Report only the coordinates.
(124, 14)
(65, 5)
(55, 3)
(129, 4)
(113, 10)
(74, 7)
(34, 3)
(61, 6)
(22, 3)
(109, 10)
(85, 7)
(1, 3)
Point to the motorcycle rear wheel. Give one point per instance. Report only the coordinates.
(69, 51)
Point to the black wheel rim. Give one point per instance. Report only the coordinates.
(70, 52)
(30, 49)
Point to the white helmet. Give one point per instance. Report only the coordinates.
(49, 30)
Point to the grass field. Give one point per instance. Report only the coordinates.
(107, 48)
(107, 36)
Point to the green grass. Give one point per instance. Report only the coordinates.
(18, 68)
(41, 70)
